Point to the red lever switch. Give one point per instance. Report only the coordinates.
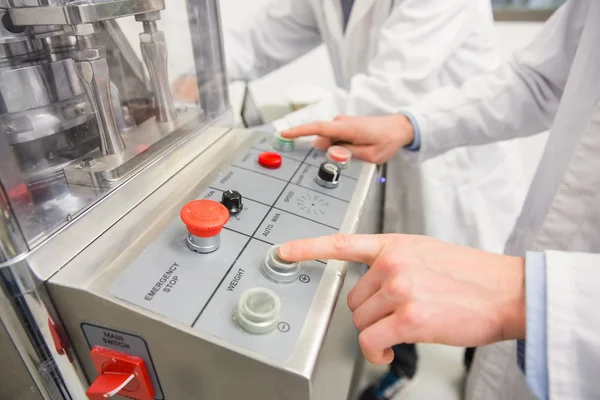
(119, 373)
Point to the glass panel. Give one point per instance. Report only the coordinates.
(84, 104)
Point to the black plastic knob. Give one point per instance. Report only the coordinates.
(232, 199)
(328, 175)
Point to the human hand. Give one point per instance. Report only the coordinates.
(373, 139)
(422, 290)
(185, 89)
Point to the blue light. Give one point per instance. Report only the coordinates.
(382, 179)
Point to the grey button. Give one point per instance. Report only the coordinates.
(258, 311)
(279, 270)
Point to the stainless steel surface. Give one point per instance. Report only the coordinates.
(38, 13)
(203, 245)
(25, 311)
(154, 50)
(205, 26)
(24, 307)
(142, 143)
(127, 71)
(324, 362)
(27, 88)
(62, 192)
(15, 380)
(12, 242)
(93, 71)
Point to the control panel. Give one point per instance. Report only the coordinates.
(216, 267)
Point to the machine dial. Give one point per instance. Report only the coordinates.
(328, 175)
(258, 311)
(204, 220)
(279, 270)
(232, 199)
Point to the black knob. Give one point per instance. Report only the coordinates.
(328, 175)
(232, 199)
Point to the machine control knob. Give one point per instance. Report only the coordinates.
(278, 270)
(232, 199)
(328, 175)
(204, 220)
(339, 155)
(283, 144)
(258, 311)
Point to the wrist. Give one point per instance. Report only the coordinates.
(513, 308)
(403, 128)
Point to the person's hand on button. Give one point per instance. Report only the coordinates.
(422, 290)
(373, 139)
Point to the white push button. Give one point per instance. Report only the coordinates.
(279, 270)
(283, 144)
(258, 311)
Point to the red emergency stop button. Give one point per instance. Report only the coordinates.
(204, 220)
(119, 374)
(269, 160)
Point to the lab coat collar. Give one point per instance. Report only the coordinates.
(333, 14)
(359, 11)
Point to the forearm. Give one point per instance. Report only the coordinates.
(486, 109)
(520, 99)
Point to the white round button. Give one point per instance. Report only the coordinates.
(283, 144)
(278, 270)
(258, 311)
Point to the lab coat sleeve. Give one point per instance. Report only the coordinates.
(521, 99)
(413, 46)
(278, 33)
(573, 324)
(532, 355)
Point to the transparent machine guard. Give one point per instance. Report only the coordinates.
(87, 99)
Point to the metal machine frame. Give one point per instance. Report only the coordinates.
(123, 187)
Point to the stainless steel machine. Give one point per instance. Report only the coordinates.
(138, 235)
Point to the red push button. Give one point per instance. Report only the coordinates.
(269, 160)
(204, 218)
(119, 374)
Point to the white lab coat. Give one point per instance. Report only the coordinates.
(391, 54)
(554, 81)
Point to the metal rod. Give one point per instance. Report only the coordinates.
(155, 53)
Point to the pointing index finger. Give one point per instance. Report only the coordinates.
(354, 248)
(334, 130)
